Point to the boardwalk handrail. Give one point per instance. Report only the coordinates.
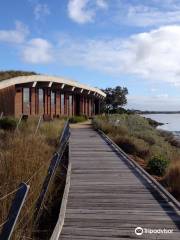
(145, 174)
(14, 211)
(64, 139)
(64, 136)
(55, 162)
(38, 125)
(59, 225)
(21, 192)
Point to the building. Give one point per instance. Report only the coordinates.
(46, 95)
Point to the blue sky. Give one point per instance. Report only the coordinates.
(103, 43)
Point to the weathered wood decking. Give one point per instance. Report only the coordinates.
(108, 198)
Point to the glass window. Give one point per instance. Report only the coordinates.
(70, 105)
(26, 101)
(62, 104)
(41, 101)
(52, 99)
(53, 102)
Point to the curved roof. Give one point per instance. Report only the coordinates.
(44, 78)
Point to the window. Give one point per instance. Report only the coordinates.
(41, 101)
(26, 101)
(62, 104)
(53, 102)
(70, 105)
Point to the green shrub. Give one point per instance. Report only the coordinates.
(76, 119)
(7, 123)
(158, 165)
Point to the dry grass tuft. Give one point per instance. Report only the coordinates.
(23, 157)
(172, 180)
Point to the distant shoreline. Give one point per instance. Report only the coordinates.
(153, 122)
(156, 124)
(157, 112)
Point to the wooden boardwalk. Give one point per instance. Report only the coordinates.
(108, 198)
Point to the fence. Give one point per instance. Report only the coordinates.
(15, 220)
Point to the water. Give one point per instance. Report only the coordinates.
(171, 121)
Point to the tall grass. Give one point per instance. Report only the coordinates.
(25, 157)
(137, 137)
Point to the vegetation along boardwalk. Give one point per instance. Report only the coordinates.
(108, 198)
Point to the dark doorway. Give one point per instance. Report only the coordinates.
(77, 104)
(97, 107)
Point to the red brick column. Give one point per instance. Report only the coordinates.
(88, 102)
(36, 101)
(73, 105)
(58, 103)
(93, 107)
(18, 102)
(48, 101)
(90, 106)
(81, 105)
(65, 104)
(45, 101)
(84, 105)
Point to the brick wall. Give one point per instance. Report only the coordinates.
(7, 105)
(11, 102)
(58, 103)
(18, 102)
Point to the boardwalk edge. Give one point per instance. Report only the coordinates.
(58, 228)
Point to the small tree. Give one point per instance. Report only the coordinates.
(115, 99)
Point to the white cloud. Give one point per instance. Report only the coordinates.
(163, 96)
(83, 11)
(37, 51)
(16, 35)
(41, 10)
(156, 103)
(143, 16)
(102, 4)
(78, 12)
(153, 89)
(153, 55)
(139, 13)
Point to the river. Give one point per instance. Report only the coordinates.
(171, 121)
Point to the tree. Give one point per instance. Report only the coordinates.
(115, 99)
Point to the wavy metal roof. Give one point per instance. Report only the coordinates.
(45, 78)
